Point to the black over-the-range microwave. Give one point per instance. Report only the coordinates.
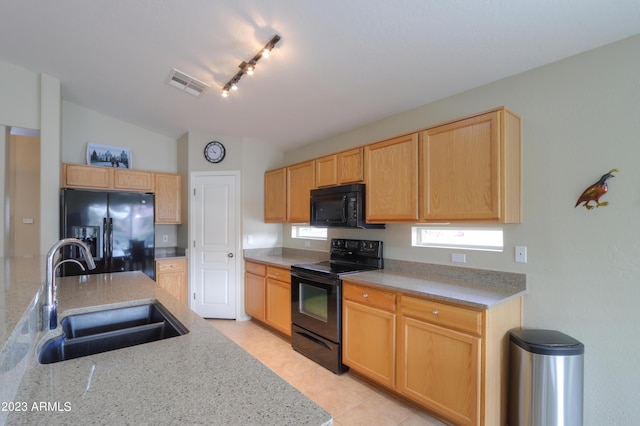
(340, 207)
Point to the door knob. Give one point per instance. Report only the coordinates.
(229, 254)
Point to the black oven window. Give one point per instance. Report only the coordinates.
(314, 302)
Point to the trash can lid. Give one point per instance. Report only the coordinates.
(546, 342)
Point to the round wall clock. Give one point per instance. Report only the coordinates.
(214, 152)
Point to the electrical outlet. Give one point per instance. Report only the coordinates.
(521, 254)
(165, 238)
(458, 257)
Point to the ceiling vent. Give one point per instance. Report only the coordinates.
(185, 82)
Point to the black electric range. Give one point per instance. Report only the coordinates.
(346, 257)
(316, 299)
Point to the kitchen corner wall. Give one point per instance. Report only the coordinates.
(32, 101)
(249, 157)
(579, 120)
(149, 150)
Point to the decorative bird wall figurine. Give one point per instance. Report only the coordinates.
(595, 191)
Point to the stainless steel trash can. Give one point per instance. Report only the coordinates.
(546, 379)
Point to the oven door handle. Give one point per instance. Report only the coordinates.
(313, 277)
(313, 339)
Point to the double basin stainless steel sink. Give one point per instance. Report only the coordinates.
(106, 330)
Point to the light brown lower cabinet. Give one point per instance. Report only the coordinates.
(171, 275)
(369, 329)
(254, 290)
(278, 300)
(267, 295)
(450, 359)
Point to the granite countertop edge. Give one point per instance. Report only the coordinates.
(477, 288)
(166, 253)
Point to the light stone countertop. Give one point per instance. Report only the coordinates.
(284, 257)
(476, 288)
(473, 294)
(199, 378)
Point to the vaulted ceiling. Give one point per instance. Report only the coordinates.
(340, 63)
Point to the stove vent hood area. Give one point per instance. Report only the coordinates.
(340, 207)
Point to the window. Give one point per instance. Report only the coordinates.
(488, 239)
(308, 232)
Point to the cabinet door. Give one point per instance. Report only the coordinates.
(254, 295)
(351, 166)
(392, 180)
(171, 275)
(327, 171)
(168, 202)
(461, 170)
(440, 369)
(79, 176)
(133, 180)
(471, 169)
(275, 196)
(369, 342)
(278, 314)
(300, 182)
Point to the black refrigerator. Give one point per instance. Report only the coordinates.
(117, 226)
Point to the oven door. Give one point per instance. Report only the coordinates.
(315, 304)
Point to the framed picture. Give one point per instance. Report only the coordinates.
(108, 156)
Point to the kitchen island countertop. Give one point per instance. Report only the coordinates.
(199, 378)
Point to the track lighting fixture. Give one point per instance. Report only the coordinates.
(250, 66)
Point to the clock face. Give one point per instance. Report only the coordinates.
(214, 152)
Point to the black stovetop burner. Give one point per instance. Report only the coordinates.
(347, 257)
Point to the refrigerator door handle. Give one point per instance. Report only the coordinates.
(105, 240)
(110, 244)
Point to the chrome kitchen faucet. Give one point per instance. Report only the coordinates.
(50, 307)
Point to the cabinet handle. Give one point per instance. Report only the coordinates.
(230, 255)
(435, 312)
(365, 295)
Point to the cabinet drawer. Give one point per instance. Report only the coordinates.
(279, 274)
(369, 296)
(459, 318)
(255, 268)
(170, 265)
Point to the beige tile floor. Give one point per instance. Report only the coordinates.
(350, 401)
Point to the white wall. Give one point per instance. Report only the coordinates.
(32, 100)
(149, 150)
(252, 159)
(580, 118)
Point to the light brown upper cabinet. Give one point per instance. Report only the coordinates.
(351, 166)
(327, 171)
(168, 203)
(133, 180)
(341, 168)
(470, 169)
(275, 196)
(80, 176)
(391, 175)
(300, 181)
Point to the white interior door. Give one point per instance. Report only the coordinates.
(214, 232)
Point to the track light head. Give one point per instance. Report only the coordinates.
(250, 66)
